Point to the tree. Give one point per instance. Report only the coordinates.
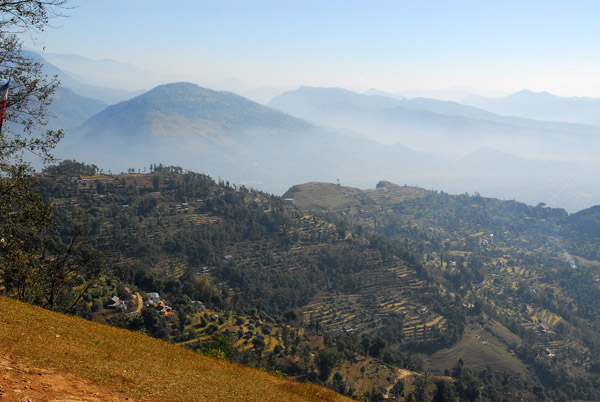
(26, 114)
(444, 392)
(258, 344)
(61, 281)
(33, 266)
(398, 389)
(338, 383)
(22, 216)
(31, 90)
(23, 15)
(155, 323)
(42, 267)
(421, 382)
(326, 360)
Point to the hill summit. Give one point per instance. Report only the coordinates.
(185, 109)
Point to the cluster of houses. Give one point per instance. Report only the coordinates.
(178, 208)
(199, 305)
(153, 300)
(78, 180)
(71, 203)
(115, 303)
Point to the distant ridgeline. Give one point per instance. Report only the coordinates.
(347, 286)
(327, 134)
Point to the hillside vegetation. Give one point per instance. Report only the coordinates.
(526, 276)
(261, 268)
(369, 292)
(124, 365)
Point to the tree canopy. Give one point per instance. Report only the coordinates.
(30, 93)
(36, 263)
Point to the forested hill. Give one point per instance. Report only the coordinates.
(530, 273)
(184, 109)
(350, 291)
(167, 226)
(282, 283)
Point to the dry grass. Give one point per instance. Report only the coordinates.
(316, 196)
(136, 365)
(478, 354)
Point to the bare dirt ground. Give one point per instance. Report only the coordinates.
(27, 384)
(401, 375)
(138, 298)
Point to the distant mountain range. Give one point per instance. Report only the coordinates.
(104, 73)
(326, 134)
(445, 128)
(105, 94)
(542, 106)
(70, 110)
(455, 93)
(228, 136)
(112, 81)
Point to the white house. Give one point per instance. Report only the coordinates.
(153, 297)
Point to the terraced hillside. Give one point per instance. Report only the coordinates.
(251, 259)
(178, 226)
(529, 271)
(378, 281)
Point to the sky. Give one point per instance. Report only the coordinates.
(501, 46)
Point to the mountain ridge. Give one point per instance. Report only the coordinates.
(226, 135)
(195, 109)
(105, 94)
(542, 106)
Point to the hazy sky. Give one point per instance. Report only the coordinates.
(502, 45)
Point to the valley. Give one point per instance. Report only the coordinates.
(281, 201)
(341, 279)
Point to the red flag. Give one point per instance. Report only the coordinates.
(4, 84)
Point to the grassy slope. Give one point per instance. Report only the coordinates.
(136, 365)
(332, 197)
(476, 354)
(329, 196)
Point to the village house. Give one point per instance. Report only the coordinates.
(152, 298)
(116, 303)
(165, 310)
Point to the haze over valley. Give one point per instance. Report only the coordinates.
(306, 201)
(329, 134)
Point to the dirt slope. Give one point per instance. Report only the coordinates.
(49, 357)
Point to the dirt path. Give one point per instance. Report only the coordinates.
(400, 375)
(28, 384)
(140, 303)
